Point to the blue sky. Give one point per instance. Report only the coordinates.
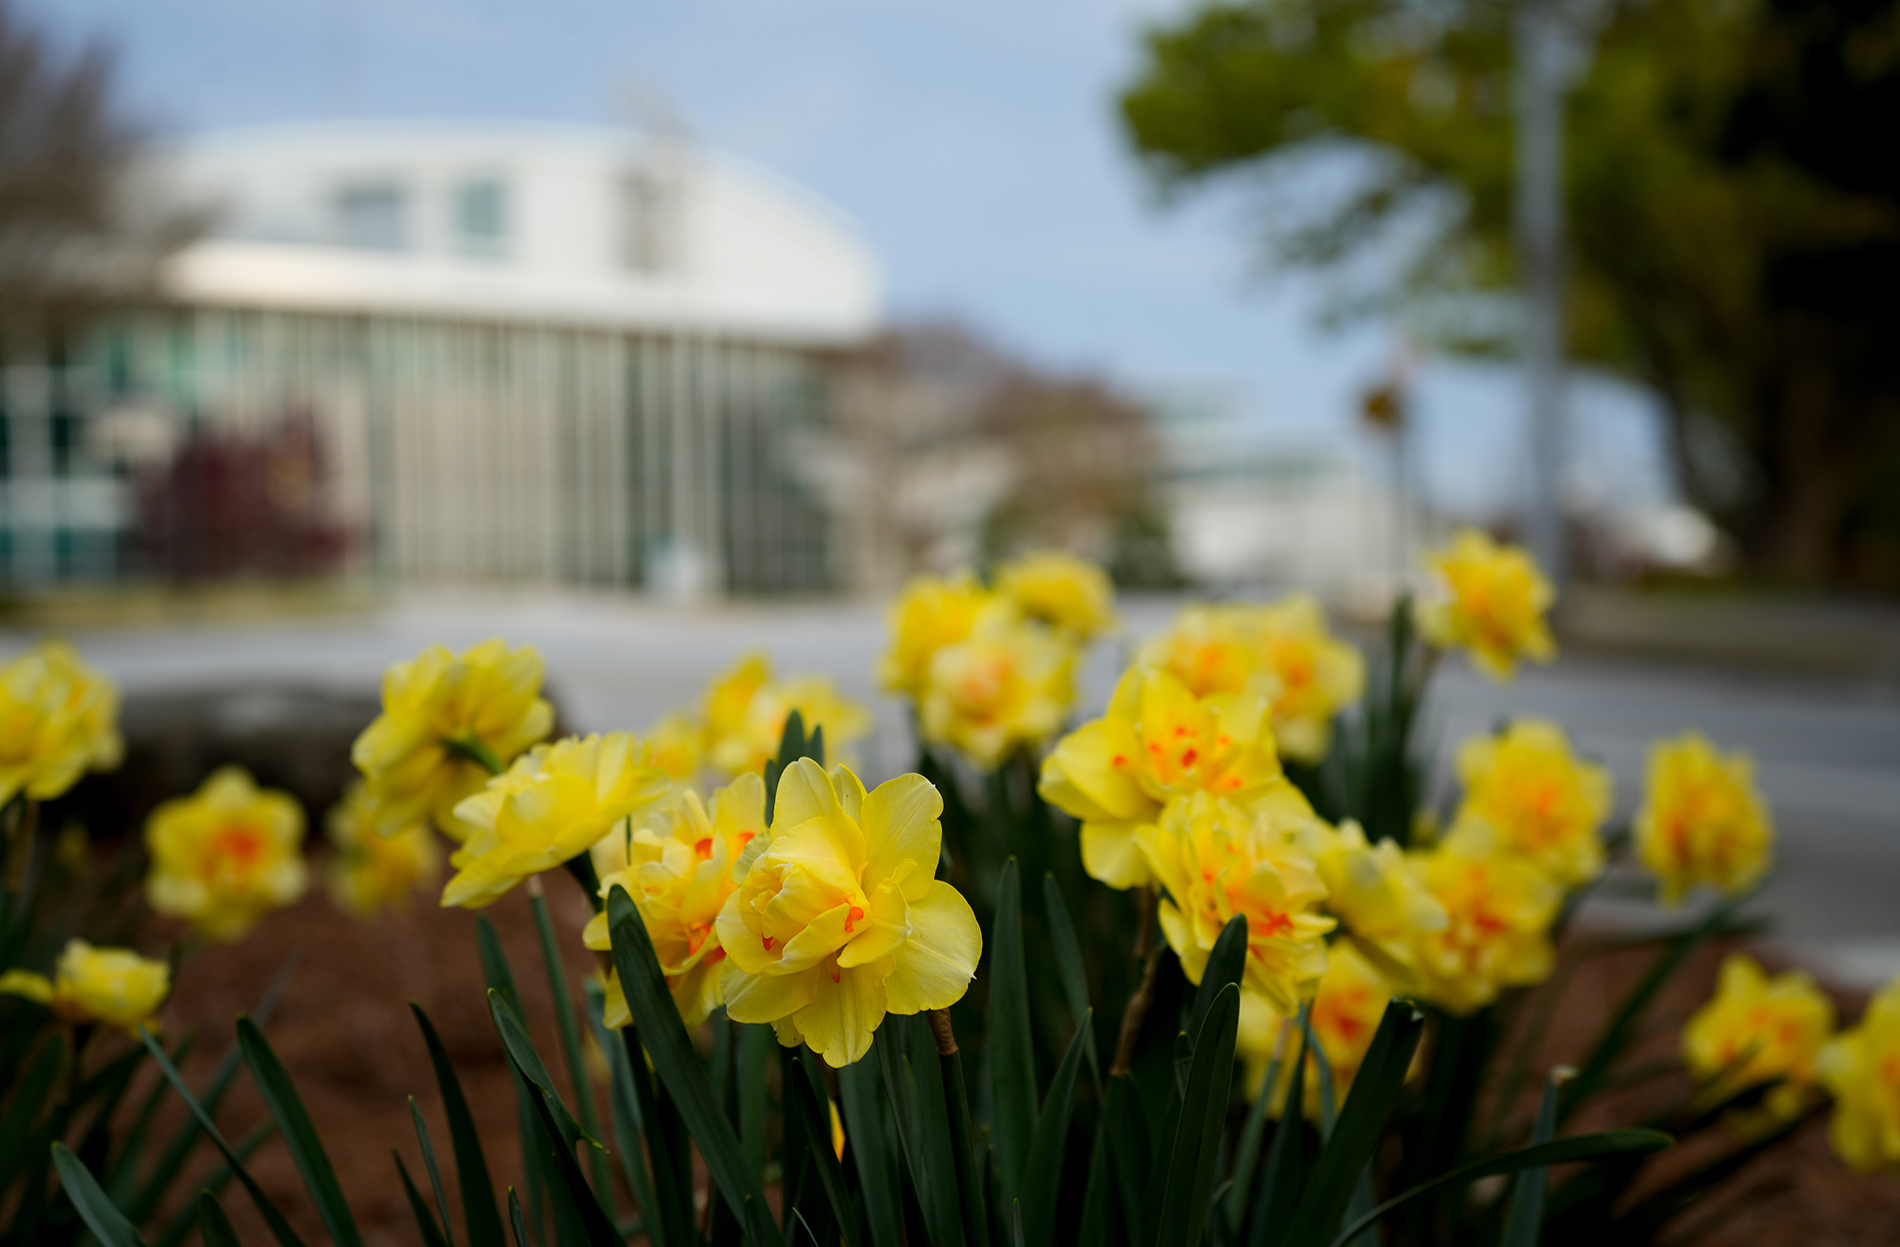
(975, 142)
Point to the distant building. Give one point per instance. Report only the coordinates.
(1246, 512)
(525, 352)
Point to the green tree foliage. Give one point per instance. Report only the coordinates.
(1735, 227)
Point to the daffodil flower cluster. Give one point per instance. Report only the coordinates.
(368, 871)
(96, 986)
(1069, 594)
(745, 712)
(1498, 910)
(829, 917)
(555, 803)
(992, 670)
(1861, 1067)
(1778, 1032)
(820, 924)
(738, 723)
(58, 720)
(1702, 820)
(1216, 859)
(1488, 599)
(1527, 794)
(1179, 787)
(226, 855)
(1758, 1030)
(1157, 741)
(449, 721)
(677, 866)
(1281, 651)
(838, 918)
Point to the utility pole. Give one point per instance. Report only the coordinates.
(1542, 73)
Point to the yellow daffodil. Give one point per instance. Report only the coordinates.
(839, 918)
(1281, 651)
(678, 872)
(1347, 1008)
(58, 720)
(677, 745)
(1308, 674)
(225, 856)
(1861, 1067)
(1499, 909)
(1217, 858)
(1491, 602)
(370, 871)
(1206, 649)
(930, 613)
(1377, 891)
(1006, 685)
(1758, 1030)
(1532, 796)
(486, 699)
(728, 699)
(1157, 741)
(1069, 594)
(103, 986)
(551, 805)
(1702, 819)
(746, 710)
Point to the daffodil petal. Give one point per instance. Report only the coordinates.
(882, 929)
(1111, 854)
(901, 825)
(822, 936)
(766, 997)
(1089, 773)
(35, 987)
(614, 1013)
(743, 945)
(934, 966)
(850, 790)
(804, 794)
(839, 1022)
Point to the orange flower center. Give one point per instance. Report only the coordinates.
(236, 850)
(982, 686)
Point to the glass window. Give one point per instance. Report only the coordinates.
(372, 216)
(481, 217)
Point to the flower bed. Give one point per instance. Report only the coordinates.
(1206, 967)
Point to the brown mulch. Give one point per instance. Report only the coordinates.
(1796, 1193)
(344, 1033)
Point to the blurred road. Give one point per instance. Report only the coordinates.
(1827, 754)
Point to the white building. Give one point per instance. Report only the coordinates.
(1249, 513)
(530, 353)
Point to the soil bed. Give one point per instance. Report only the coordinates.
(344, 1031)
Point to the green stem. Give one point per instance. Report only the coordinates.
(1148, 951)
(976, 1226)
(475, 751)
(22, 823)
(570, 1036)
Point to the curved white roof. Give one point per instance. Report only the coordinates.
(518, 222)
